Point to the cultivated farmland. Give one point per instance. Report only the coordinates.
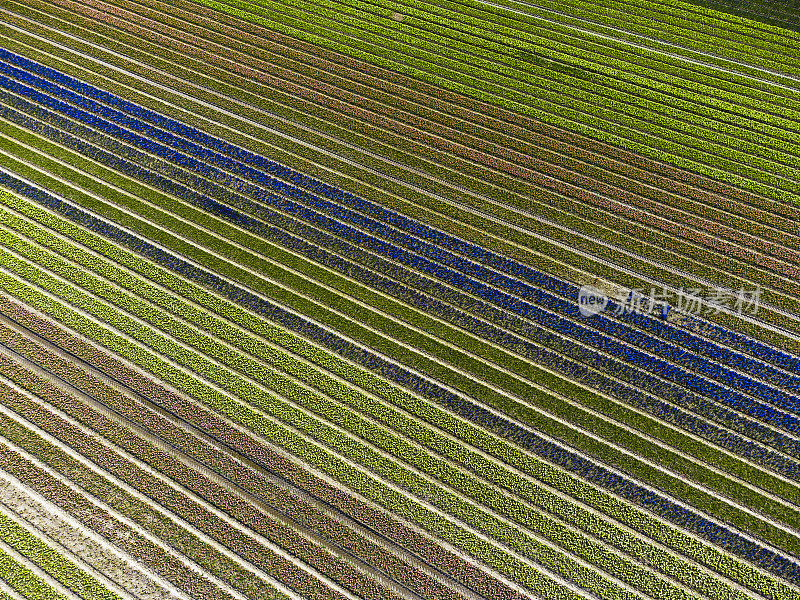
(399, 300)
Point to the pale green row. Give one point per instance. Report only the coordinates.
(509, 39)
(585, 16)
(25, 581)
(580, 100)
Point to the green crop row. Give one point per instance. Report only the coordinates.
(564, 45)
(473, 387)
(362, 403)
(747, 32)
(667, 64)
(51, 561)
(702, 35)
(384, 414)
(544, 260)
(341, 121)
(638, 233)
(364, 379)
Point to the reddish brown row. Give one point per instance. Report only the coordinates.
(380, 521)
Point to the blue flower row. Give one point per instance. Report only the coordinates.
(663, 330)
(563, 325)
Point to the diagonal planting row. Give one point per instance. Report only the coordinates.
(583, 21)
(445, 484)
(552, 48)
(713, 23)
(25, 581)
(527, 576)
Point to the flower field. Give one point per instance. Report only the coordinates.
(399, 300)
